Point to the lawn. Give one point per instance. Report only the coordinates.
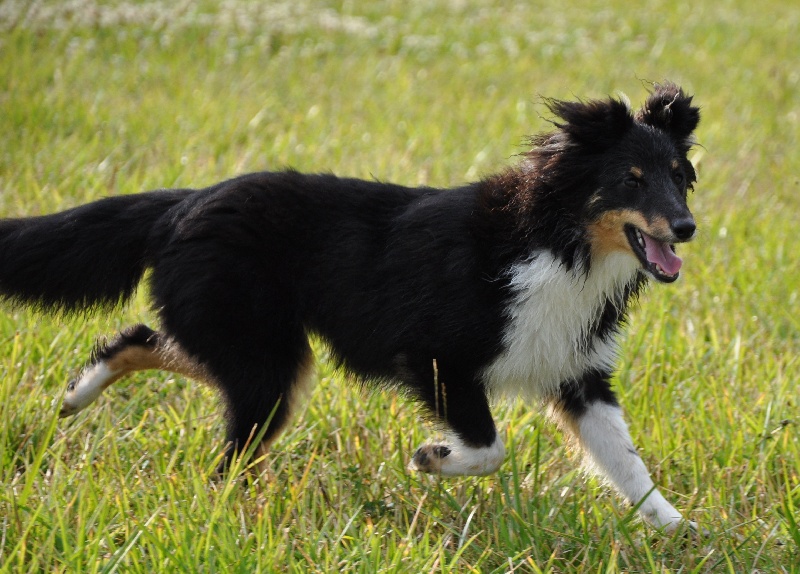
(107, 98)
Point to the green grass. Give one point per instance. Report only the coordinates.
(117, 98)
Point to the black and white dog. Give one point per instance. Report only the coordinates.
(515, 284)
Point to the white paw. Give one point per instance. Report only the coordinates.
(662, 515)
(454, 458)
(430, 458)
(83, 391)
(689, 525)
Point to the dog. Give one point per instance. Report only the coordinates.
(517, 284)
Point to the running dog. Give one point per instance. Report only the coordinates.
(517, 284)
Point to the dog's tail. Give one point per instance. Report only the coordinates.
(84, 258)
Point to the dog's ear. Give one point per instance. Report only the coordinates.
(671, 110)
(597, 124)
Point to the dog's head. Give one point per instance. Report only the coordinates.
(638, 171)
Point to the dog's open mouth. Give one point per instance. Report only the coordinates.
(657, 257)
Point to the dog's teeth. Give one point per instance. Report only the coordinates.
(661, 270)
(640, 238)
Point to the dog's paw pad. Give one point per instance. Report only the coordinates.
(428, 458)
(440, 450)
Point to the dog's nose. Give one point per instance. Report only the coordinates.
(684, 228)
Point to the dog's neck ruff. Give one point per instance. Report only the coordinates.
(551, 334)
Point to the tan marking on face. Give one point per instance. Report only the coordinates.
(607, 233)
(675, 164)
(637, 172)
(659, 228)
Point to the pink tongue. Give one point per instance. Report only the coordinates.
(661, 254)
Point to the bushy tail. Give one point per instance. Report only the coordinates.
(83, 258)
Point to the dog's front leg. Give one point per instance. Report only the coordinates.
(472, 445)
(588, 410)
(609, 449)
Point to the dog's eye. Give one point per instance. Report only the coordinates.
(631, 182)
(678, 178)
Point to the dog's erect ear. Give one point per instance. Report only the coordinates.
(597, 124)
(670, 110)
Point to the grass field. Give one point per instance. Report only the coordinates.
(119, 97)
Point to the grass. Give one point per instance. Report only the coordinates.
(117, 97)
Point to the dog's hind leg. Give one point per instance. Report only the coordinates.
(232, 304)
(261, 395)
(252, 349)
(134, 349)
(587, 410)
(472, 445)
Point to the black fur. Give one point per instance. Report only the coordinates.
(87, 257)
(575, 395)
(138, 335)
(391, 277)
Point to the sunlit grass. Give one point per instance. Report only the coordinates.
(99, 99)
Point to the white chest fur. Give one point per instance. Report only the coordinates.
(550, 317)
